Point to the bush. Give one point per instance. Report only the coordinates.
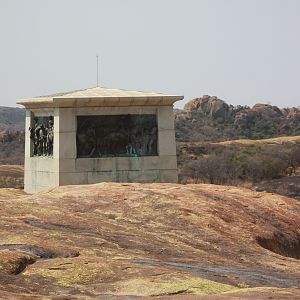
(272, 168)
(235, 164)
(224, 169)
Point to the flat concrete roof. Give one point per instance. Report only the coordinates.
(100, 96)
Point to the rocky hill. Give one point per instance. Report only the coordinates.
(211, 119)
(12, 121)
(12, 118)
(130, 240)
(12, 145)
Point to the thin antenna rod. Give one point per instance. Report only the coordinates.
(97, 72)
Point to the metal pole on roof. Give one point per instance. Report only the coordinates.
(97, 72)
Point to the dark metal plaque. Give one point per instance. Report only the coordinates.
(116, 135)
(41, 135)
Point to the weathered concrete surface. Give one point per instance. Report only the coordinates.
(112, 240)
(42, 173)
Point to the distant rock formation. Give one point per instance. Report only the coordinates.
(210, 118)
(209, 106)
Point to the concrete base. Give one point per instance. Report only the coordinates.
(88, 171)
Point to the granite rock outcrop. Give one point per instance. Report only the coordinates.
(148, 240)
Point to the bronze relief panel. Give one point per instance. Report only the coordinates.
(41, 135)
(117, 135)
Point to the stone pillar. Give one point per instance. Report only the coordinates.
(65, 147)
(41, 172)
(28, 176)
(166, 143)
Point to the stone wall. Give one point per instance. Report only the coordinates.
(65, 168)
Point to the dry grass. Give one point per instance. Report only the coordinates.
(11, 176)
(278, 141)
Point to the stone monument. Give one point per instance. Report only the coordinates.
(99, 134)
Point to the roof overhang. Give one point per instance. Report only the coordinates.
(102, 101)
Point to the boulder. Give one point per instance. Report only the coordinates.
(210, 106)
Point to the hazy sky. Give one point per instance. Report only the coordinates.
(243, 51)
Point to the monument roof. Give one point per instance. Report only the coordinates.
(100, 96)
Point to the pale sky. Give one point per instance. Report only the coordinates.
(243, 51)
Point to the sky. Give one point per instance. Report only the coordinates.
(243, 51)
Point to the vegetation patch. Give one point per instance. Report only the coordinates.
(237, 163)
(160, 286)
(72, 272)
(11, 176)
